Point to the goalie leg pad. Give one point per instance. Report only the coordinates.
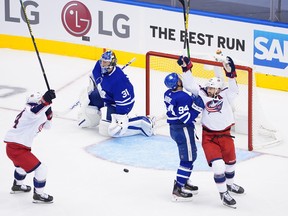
(103, 128)
(127, 127)
(89, 116)
(141, 125)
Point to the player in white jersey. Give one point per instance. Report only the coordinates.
(28, 123)
(217, 120)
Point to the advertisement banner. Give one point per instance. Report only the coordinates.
(137, 29)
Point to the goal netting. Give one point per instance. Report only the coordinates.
(252, 130)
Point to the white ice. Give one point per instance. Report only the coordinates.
(83, 184)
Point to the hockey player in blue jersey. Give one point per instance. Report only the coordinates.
(109, 100)
(182, 110)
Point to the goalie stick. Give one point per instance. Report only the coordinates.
(186, 6)
(78, 102)
(34, 43)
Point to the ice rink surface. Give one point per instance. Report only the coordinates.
(85, 170)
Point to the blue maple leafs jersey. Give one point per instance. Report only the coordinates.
(181, 107)
(114, 88)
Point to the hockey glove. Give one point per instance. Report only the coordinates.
(229, 68)
(185, 63)
(49, 113)
(48, 97)
(119, 125)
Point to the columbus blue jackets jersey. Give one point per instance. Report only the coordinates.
(28, 124)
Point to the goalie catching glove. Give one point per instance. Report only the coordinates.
(185, 63)
(119, 125)
(229, 68)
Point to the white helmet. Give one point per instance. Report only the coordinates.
(34, 98)
(215, 82)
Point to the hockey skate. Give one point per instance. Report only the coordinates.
(19, 188)
(227, 200)
(42, 198)
(235, 189)
(192, 188)
(181, 194)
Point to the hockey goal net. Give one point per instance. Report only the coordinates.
(251, 129)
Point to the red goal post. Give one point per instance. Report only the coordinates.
(167, 63)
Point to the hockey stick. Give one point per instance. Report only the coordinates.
(186, 24)
(78, 102)
(128, 63)
(34, 43)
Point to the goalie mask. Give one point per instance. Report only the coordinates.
(171, 81)
(108, 61)
(34, 98)
(214, 86)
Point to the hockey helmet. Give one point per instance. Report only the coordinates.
(215, 82)
(34, 98)
(171, 81)
(108, 56)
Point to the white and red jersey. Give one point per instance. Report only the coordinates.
(28, 124)
(218, 112)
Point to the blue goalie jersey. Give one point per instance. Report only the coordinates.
(114, 88)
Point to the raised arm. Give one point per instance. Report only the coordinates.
(188, 80)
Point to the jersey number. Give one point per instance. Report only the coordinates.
(182, 109)
(17, 119)
(125, 93)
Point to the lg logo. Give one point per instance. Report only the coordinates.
(77, 21)
(76, 18)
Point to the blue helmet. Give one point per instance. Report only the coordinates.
(108, 56)
(171, 81)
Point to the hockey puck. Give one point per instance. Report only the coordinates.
(126, 170)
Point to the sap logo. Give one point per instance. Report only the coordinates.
(270, 49)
